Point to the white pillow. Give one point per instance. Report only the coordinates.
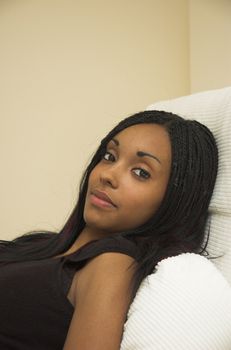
(213, 108)
(185, 305)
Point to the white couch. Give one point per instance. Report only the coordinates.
(186, 304)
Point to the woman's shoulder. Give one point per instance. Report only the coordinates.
(107, 270)
(103, 288)
(110, 261)
(104, 262)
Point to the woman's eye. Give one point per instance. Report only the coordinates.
(108, 156)
(142, 173)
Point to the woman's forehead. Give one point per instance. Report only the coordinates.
(142, 133)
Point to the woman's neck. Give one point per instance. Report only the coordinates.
(87, 235)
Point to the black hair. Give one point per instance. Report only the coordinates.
(178, 226)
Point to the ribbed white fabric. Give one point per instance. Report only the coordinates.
(185, 305)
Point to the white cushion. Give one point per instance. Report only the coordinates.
(185, 305)
(213, 108)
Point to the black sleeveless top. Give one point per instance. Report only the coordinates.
(35, 312)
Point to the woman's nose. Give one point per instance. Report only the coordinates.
(109, 177)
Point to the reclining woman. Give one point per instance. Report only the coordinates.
(143, 197)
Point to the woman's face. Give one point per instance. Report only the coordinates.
(133, 173)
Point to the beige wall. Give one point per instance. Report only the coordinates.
(69, 70)
(210, 44)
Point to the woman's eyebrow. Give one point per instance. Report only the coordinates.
(139, 153)
(115, 141)
(142, 154)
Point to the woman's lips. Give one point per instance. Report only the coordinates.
(94, 199)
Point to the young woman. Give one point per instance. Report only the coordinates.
(143, 197)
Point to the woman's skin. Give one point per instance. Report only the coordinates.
(136, 185)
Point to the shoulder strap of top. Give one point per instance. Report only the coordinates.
(108, 244)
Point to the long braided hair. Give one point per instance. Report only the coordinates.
(178, 226)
